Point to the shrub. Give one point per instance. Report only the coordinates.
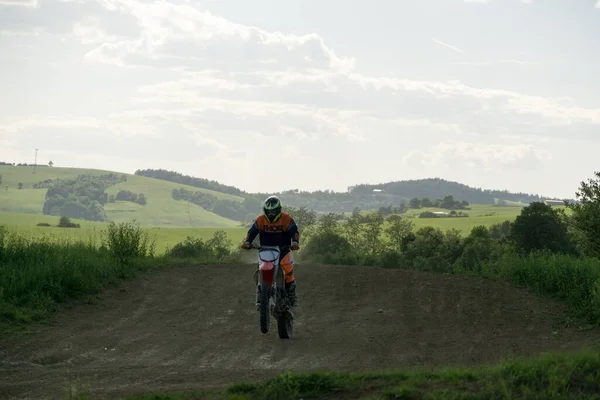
(65, 222)
(327, 247)
(216, 249)
(38, 274)
(127, 241)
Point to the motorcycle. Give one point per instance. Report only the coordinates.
(272, 296)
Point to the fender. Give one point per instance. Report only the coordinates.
(267, 272)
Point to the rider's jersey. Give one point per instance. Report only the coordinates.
(279, 233)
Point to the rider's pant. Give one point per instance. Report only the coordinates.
(287, 264)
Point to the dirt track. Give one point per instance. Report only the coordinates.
(191, 327)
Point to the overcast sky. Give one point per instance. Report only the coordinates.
(308, 94)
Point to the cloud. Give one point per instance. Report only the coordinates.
(481, 156)
(170, 33)
(19, 3)
(177, 86)
(450, 46)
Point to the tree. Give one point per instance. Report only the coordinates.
(352, 228)
(415, 202)
(20, 185)
(141, 199)
(398, 228)
(304, 217)
(540, 226)
(372, 232)
(0, 179)
(585, 219)
(328, 223)
(448, 202)
(426, 202)
(51, 163)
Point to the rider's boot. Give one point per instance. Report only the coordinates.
(290, 288)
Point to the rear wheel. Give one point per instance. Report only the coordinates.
(265, 317)
(285, 327)
(285, 320)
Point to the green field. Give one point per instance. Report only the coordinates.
(169, 221)
(166, 237)
(161, 210)
(26, 225)
(479, 214)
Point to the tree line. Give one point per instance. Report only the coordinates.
(432, 192)
(83, 197)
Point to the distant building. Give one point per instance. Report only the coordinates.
(554, 202)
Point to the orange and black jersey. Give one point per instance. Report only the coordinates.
(279, 233)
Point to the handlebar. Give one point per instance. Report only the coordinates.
(279, 248)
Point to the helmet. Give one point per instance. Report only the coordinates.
(272, 208)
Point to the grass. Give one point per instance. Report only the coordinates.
(550, 376)
(479, 214)
(26, 225)
(162, 210)
(574, 281)
(167, 234)
(38, 274)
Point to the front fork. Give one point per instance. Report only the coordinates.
(279, 277)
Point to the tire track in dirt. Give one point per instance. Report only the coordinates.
(196, 326)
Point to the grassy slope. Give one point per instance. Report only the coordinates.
(161, 209)
(168, 236)
(479, 214)
(25, 224)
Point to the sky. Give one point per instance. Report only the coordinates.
(271, 95)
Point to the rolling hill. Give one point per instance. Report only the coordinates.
(161, 209)
(212, 204)
(364, 196)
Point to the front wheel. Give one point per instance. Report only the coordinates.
(265, 317)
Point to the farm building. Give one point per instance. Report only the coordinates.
(554, 202)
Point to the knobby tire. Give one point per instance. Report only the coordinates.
(265, 317)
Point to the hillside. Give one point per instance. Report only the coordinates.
(364, 196)
(170, 199)
(160, 210)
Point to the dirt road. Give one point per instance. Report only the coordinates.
(190, 327)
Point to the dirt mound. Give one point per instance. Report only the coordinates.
(187, 327)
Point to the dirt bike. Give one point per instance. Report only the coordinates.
(273, 299)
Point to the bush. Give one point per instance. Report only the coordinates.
(575, 281)
(329, 247)
(216, 249)
(38, 274)
(428, 214)
(43, 224)
(65, 222)
(127, 241)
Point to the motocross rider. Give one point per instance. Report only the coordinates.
(276, 228)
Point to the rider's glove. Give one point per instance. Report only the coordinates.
(295, 246)
(245, 246)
